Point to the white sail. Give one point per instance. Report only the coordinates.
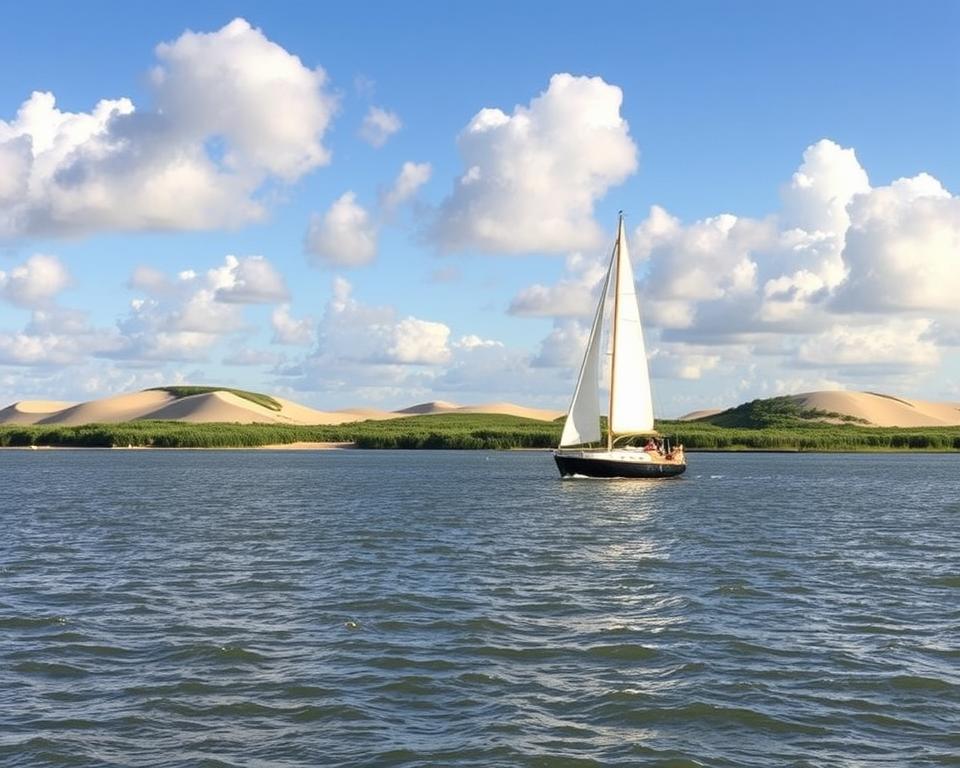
(631, 405)
(583, 419)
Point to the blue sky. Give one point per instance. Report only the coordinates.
(720, 103)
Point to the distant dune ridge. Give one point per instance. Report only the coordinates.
(503, 409)
(216, 405)
(31, 411)
(226, 406)
(871, 408)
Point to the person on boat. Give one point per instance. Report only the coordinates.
(651, 446)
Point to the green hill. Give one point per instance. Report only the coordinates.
(774, 412)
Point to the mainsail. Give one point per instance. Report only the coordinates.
(630, 404)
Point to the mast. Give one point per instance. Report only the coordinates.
(613, 343)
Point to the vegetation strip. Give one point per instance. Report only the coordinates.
(478, 431)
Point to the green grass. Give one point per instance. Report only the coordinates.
(470, 431)
(435, 431)
(254, 397)
(774, 412)
(811, 436)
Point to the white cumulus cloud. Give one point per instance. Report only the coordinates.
(903, 249)
(575, 295)
(412, 176)
(290, 330)
(531, 178)
(379, 125)
(35, 282)
(232, 112)
(845, 277)
(248, 280)
(345, 235)
(184, 317)
(898, 343)
(361, 333)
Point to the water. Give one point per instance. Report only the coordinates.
(472, 609)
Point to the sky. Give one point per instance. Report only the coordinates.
(385, 204)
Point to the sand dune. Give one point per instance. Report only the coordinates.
(215, 406)
(31, 411)
(111, 409)
(301, 414)
(373, 414)
(227, 407)
(876, 409)
(434, 406)
(701, 414)
(506, 409)
(223, 406)
(509, 409)
(884, 410)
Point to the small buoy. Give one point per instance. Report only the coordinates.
(351, 624)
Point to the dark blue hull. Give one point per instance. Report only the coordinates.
(576, 465)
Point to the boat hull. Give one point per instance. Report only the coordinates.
(601, 467)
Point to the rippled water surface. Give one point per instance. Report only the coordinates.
(472, 609)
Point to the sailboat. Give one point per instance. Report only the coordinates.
(630, 402)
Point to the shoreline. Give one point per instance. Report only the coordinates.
(298, 446)
(351, 446)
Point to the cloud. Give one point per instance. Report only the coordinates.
(151, 281)
(289, 330)
(54, 336)
(412, 176)
(472, 341)
(711, 260)
(837, 248)
(802, 287)
(573, 296)
(817, 196)
(371, 351)
(531, 179)
(362, 333)
(232, 112)
(564, 346)
(83, 382)
(485, 371)
(680, 361)
(378, 126)
(35, 282)
(248, 280)
(903, 249)
(186, 316)
(157, 331)
(345, 235)
(895, 344)
(47, 349)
